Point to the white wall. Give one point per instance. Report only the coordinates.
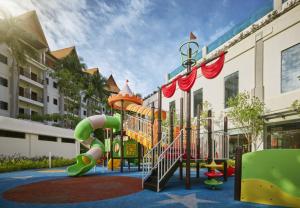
(286, 33)
(31, 146)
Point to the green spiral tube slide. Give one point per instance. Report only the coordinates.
(83, 131)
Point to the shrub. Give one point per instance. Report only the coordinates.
(17, 162)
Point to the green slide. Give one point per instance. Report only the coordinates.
(83, 131)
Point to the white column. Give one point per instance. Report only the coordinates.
(277, 5)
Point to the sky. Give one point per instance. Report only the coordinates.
(135, 40)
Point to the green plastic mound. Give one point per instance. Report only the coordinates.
(280, 167)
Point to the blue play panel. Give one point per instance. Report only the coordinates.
(174, 195)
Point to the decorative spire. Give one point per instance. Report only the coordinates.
(126, 90)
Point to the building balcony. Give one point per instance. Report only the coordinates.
(32, 77)
(30, 98)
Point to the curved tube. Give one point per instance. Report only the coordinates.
(82, 133)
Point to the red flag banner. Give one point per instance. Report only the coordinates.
(186, 83)
(169, 91)
(213, 70)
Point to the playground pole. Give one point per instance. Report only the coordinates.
(238, 173)
(122, 121)
(171, 124)
(111, 143)
(188, 130)
(159, 115)
(198, 140)
(225, 146)
(181, 136)
(152, 133)
(209, 136)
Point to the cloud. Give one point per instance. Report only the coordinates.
(136, 40)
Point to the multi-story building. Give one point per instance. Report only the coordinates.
(24, 92)
(263, 58)
(30, 90)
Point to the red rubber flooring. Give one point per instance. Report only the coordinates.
(70, 190)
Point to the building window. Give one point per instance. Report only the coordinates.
(34, 113)
(33, 76)
(3, 59)
(290, 69)
(231, 87)
(84, 112)
(3, 82)
(54, 101)
(55, 85)
(172, 105)
(47, 81)
(21, 91)
(34, 96)
(284, 136)
(66, 140)
(48, 99)
(12, 134)
(21, 111)
(3, 105)
(47, 138)
(198, 100)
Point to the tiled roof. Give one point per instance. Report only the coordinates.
(62, 53)
(30, 23)
(112, 85)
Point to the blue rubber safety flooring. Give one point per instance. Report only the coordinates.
(174, 195)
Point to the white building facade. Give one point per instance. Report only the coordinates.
(263, 60)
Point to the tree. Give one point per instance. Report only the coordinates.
(246, 113)
(14, 37)
(94, 90)
(296, 106)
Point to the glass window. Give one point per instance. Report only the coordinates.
(47, 138)
(21, 111)
(3, 82)
(198, 100)
(47, 81)
(13, 134)
(290, 69)
(54, 101)
(231, 87)
(33, 76)
(172, 105)
(3, 59)
(48, 99)
(54, 84)
(84, 112)
(238, 140)
(3, 105)
(34, 96)
(285, 136)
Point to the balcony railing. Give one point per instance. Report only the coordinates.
(28, 75)
(31, 97)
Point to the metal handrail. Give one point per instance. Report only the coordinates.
(150, 159)
(174, 152)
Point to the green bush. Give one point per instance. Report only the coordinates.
(17, 162)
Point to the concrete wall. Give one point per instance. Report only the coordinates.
(30, 145)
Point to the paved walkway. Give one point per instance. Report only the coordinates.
(174, 195)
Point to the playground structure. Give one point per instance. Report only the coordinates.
(163, 149)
